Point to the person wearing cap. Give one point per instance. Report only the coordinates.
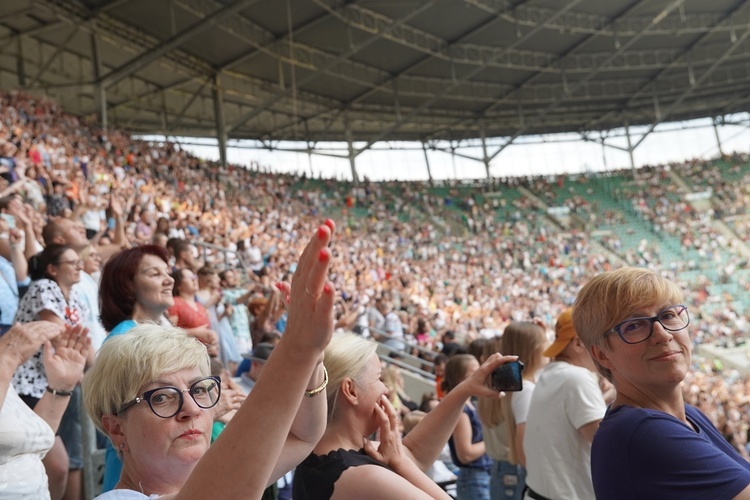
(564, 414)
(651, 444)
(257, 358)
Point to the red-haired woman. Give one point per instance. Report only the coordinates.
(136, 287)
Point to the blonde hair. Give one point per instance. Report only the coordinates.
(490, 411)
(614, 296)
(126, 363)
(525, 340)
(346, 356)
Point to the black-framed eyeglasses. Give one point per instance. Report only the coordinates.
(166, 402)
(636, 330)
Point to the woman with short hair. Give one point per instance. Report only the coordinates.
(650, 444)
(151, 392)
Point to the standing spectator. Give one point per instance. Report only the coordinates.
(209, 294)
(13, 274)
(188, 313)
(392, 334)
(238, 299)
(564, 414)
(527, 341)
(467, 441)
(52, 297)
(651, 444)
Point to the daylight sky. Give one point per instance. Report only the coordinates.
(672, 142)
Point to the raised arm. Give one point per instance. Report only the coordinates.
(64, 368)
(19, 344)
(258, 432)
(427, 439)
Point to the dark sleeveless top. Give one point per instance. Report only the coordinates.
(315, 477)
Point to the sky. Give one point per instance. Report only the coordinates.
(528, 156)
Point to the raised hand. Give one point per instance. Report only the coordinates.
(478, 383)
(64, 363)
(23, 340)
(390, 451)
(229, 402)
(310, 296)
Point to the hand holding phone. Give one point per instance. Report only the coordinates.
(508, 377)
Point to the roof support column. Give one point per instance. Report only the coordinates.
(20, 65)
(485, 157)
(100, 91)
(718, 138)
(630, 147)
(352, 151)
(221, 131)
(427, 162)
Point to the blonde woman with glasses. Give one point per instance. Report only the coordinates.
(152, 393)
(651, 444)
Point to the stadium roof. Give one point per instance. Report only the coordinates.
(373, 70)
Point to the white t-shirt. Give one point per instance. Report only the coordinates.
(520, 402)
(24, 440)
(558, 457)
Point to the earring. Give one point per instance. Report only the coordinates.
(122, 446)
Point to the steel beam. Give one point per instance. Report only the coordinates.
(59, 50)
(664, 71)
(718, 137)
(352, 155)
(221, 133)
(689, 91)
(544, 112)
(174, 42)
(343, 57)
(465, 77)
(427, 162)
(100, 93)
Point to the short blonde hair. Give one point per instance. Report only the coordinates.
(128, 362)
(615, 296)
(346, 356)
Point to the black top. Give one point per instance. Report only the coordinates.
(316, 475)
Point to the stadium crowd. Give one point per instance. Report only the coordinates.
(405, 270)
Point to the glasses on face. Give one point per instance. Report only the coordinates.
(74, 263)
(166, 402)
(636, 330)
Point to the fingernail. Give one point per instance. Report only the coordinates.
(322, 232)
(327, 288)
(279, 285)
(323, 255)
(330, 224)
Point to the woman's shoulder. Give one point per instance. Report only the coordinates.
(125, 495)
(347, 458)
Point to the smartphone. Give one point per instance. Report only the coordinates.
(10, 220)
(508, 377)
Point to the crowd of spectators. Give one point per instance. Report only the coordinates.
(407, 271)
